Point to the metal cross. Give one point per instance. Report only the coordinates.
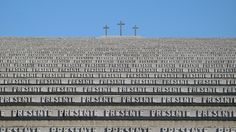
(135, 30)
(121, 24)
(106, 28)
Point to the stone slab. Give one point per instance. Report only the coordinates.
(124, 84)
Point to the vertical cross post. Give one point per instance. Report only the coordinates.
(121, 24)
(135, 30)
(106, 29)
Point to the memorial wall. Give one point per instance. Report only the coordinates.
(117, 84)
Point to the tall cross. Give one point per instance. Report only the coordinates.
(121, 24)
(135, 30)
(106, 28)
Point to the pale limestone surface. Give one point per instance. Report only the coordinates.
(139, 84)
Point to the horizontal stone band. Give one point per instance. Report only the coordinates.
(118, 113)
(116, 89)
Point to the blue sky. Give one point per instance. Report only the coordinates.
(156, 18)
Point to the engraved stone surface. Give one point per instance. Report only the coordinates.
(117, 84)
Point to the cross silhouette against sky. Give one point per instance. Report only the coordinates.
(121, 24)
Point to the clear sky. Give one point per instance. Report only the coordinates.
(156, 18)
